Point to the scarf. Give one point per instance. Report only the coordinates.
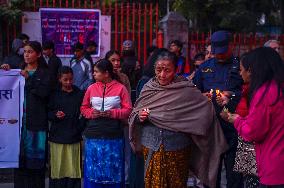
(181, 107)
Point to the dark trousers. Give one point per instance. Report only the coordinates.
(136, 171)
(65, 182)
(29, 178)
(234, 179)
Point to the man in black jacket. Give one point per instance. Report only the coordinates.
(15, 59)
(91, 49)
(53, 62)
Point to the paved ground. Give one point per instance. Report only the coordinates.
(11, 185)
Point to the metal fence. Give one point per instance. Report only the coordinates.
(134, 21)
(137, 22)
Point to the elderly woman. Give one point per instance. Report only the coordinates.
(177, 128)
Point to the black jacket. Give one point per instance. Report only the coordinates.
(14, 60)
(89, 58)
(67, 130)
(54, 63)
(37, 89)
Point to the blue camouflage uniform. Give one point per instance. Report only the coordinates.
(223, 76)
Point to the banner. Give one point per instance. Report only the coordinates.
(65, 27)
(32, 27)
(11, 112)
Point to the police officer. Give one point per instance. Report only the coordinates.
(218, 78)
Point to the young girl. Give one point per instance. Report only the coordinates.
(106, 102)
(114, 57)
(31, 172)
(65, 132)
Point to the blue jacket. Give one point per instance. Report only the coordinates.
(224, 77)
(82, 70)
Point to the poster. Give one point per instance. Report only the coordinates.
(65, 27)
(11, 112)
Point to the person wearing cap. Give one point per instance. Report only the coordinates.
(81, 67)
(91, 49)
(176, 48)
(218, 78)
(15, 59)
(131, 66)
(54, 63)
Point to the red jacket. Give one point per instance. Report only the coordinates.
(113, 95)
(264, 125)
(242, 108)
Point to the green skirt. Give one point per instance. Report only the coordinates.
(65, 160)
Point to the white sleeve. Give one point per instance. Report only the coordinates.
(89, 67)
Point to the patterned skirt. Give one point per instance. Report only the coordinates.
(166, 168)
(103, 162)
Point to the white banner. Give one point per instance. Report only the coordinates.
(11, 112)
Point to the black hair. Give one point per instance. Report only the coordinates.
(128, 53)
(48, 45)
(64, 70)
(266, 66)
(110, 53)
(151, 49)
(105, 65)
(167, 55)
(178, 43)
(24, 36)
(92, 43)
(244, 60)
(78, 46)
(36, 46)
(149, 69)
(199, 56)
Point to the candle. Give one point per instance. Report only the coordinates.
(217, 92)
(226, 110)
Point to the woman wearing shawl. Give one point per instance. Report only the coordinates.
(177, 128)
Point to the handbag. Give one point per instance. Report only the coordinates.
(245, 161)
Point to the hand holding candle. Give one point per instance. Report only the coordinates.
(209, 94)
(227, 116)
(221, 98)
(143, 115)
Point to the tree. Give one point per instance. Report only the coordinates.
(234, 15)
(11, 11)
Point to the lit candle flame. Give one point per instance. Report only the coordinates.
(217, 92)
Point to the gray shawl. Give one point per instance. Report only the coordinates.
(181, 107)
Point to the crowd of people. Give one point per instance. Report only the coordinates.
(119, 122)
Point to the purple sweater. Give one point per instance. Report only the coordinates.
(265, 126)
